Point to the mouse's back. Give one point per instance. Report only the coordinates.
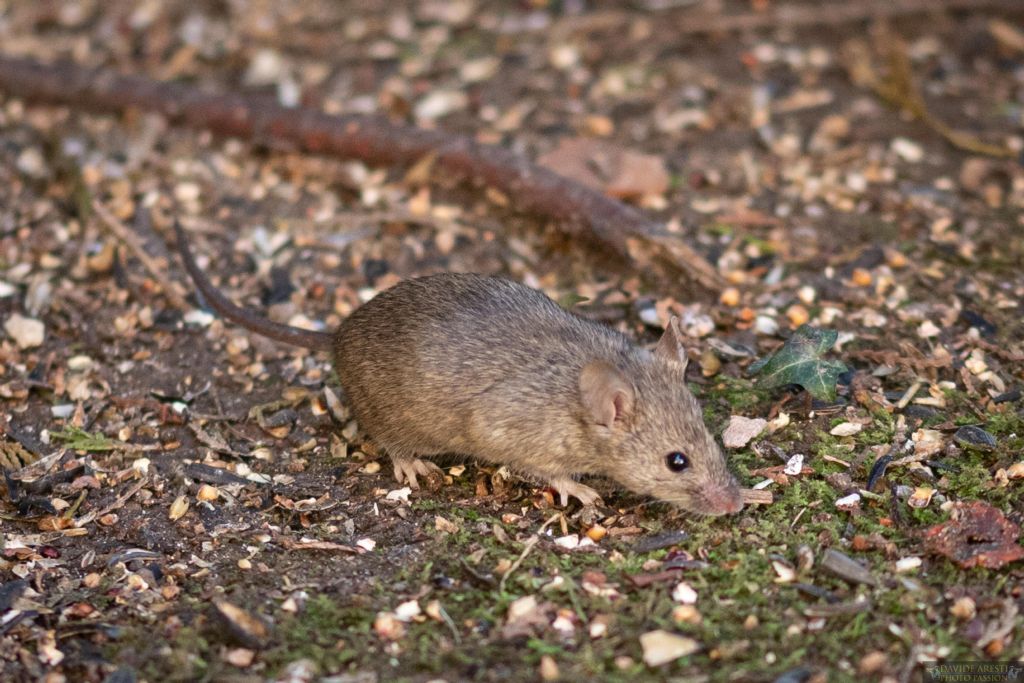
(442, 357)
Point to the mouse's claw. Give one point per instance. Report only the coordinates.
(407, 469)
(570, 487)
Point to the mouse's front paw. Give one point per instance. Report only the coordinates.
(407, 469)
(567, 487)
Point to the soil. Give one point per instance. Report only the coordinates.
(183, 467)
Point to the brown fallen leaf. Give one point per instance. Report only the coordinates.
(976, 535)
(616, 171)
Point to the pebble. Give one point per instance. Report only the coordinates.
(927, 329)
(730, 297)
(908, 564)
(794, 465)
(797, 315)
(31, 162)
(861, 277)
(846, 429)
(907, 150)
(661, 647)
(765, 325)
(807, 294)
(849, 502)
(696, 324)
(970, 436)
(26, 332)
(684, 593)
(649, 316)
(440, 102)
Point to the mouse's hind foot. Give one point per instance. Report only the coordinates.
(408, 469)
(568, 487)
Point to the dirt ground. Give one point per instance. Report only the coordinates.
(197, 506)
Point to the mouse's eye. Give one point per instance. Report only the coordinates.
(676, 461)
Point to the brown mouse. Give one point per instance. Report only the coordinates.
(482, 366)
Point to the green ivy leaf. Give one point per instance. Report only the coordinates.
(799, 361)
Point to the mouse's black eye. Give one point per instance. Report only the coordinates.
(676, 461)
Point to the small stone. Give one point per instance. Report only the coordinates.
(846, 429)
(564, 56)
(1015, 471)
(927, 330)
(861, 277)
(649, 316)
(696, 324)
(388, 626)
(797, 315)
(408, 611)
(27, 333)
(963, 609)
(848, 503)
(266, 68)
(730, 297)
(187, 192)
(240, 657)
(661, 647)
(765, 325)
(684, 594)
(741, 430)
(872, 662)
(972, 437)
(548, 668)
(807, 294)
(794, 465)
(439, 103)
(31, 162)
(602, 126)
(907, 150)
(907, 564)
(686, 614)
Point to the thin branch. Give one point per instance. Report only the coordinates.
(132, 241)
(579, 211)
(792, 15)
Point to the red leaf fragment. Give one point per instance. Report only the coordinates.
(976, 535)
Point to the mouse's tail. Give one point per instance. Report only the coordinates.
(248, 319)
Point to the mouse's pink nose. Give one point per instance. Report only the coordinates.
(723, 500)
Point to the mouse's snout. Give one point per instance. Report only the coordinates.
(723, 500)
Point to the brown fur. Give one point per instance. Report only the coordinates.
(487, 367)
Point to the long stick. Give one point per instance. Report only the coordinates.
(580, 211)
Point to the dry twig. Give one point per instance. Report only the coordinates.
(131, 240)
(579, 211)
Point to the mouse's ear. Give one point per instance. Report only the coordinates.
(670, 346)
(607, 395)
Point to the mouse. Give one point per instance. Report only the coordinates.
(469, 364)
